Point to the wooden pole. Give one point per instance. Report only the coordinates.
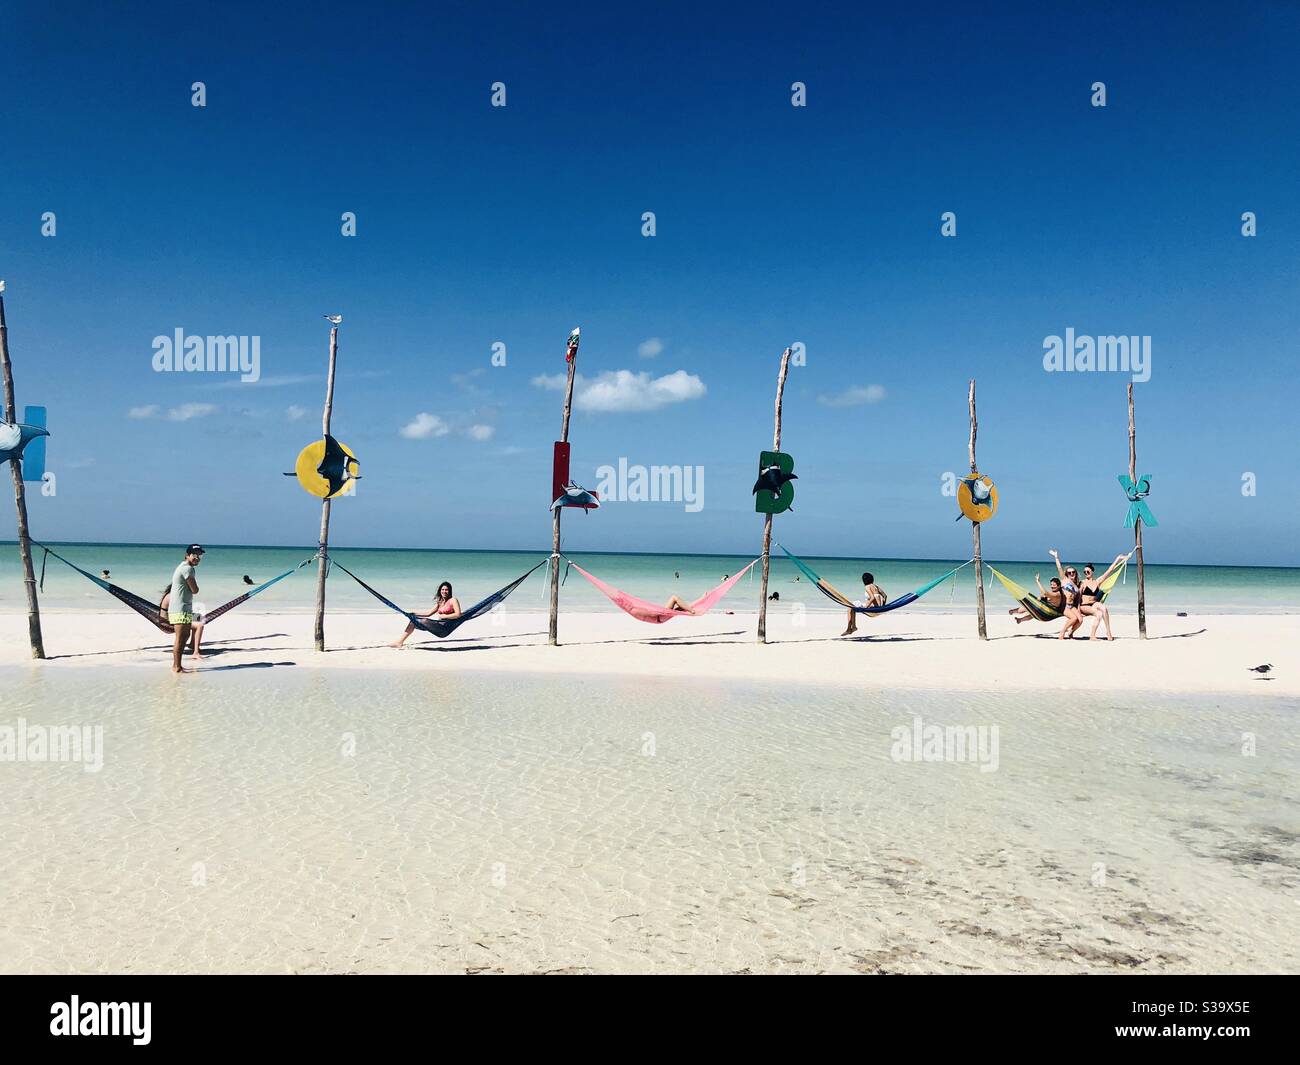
(322, 563)
(20, 496)
(1137, 525)
(554, 634)
(975, 526)
(767, 520)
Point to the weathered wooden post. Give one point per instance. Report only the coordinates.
(975, 526)
(20, 494)
(322, 564)
(767, 520)
(571, 356)
(1137, 524)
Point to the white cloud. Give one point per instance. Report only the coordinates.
(281, 381)
(186, 411)
(648, 349)
(296, 413)
(481, 432)
(623, 390)
(423, 426)
(183, 413)
(857, 396)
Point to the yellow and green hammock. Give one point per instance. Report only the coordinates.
(831, 592)
(1044, 611)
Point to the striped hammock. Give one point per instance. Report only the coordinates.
(831, 592)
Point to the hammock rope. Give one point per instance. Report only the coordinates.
(834, 594)
(656, 613)
(148, 609)
(441, 628)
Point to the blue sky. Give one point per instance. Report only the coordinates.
(775, 224)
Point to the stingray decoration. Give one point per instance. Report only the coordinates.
(565, 492)
(773, 493)
(15, 436)
(325, 467)
(1137, 492)
(574, 495)
(977, 496)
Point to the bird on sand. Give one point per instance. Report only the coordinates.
(1265, 668)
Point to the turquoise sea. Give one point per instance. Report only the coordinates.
(410, 578)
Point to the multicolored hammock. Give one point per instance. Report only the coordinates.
(443, 628)
(656, 613)
(1041, 610)
(149, 610)
(829, 590)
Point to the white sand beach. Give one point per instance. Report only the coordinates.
(654, 799)
(1207, 653)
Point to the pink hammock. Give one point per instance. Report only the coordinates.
(654, 613)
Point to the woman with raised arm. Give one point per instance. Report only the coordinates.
(1090, 594)
(1070, 587)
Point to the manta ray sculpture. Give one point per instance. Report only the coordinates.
(577, 496)
(15, 436)
(772, 479)
(334, 466)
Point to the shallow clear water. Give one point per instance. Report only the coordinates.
(411, 577)
(277, 818)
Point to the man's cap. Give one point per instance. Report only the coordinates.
(194, 549)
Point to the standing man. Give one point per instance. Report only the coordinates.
(180, 607)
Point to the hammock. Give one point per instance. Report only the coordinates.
(148, 609)
(831, 592)
(1040, 610)
(655, 613)
(442, 628)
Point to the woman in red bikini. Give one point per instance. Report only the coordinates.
(446, 607)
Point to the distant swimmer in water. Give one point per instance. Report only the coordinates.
(248, 579)
(774, 597)
(104, 573)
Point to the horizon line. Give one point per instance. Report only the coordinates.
(645, 554)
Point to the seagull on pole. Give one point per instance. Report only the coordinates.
(335, 318)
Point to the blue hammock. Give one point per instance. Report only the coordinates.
(439, 628)
(831, 592)
(150, 610)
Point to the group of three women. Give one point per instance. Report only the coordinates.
(1075, 598)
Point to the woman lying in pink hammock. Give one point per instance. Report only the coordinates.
(676, 607)
(676, 602)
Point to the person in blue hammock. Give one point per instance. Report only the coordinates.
(872, 596)
(446, 607)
